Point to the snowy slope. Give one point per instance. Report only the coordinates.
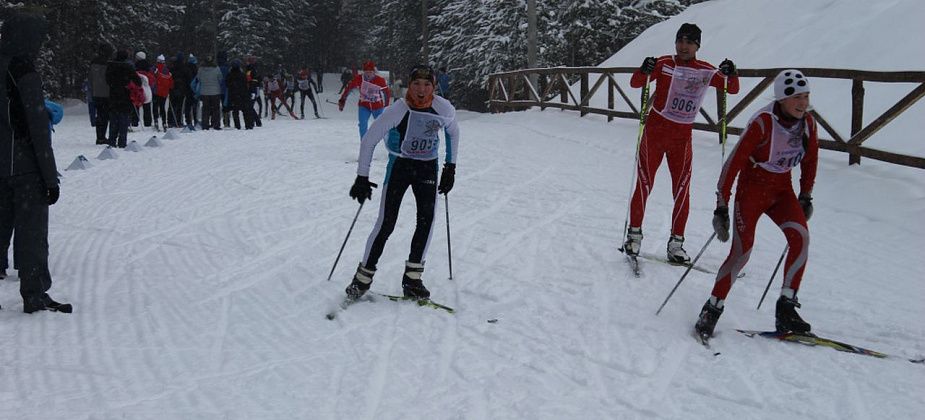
(880, 35)
(198, 275)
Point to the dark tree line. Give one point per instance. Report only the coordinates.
(472, 38)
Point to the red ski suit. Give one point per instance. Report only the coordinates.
(370, 100)
(664, 137)
(764, 191)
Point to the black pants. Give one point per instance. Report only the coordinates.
(145, 111)
(303, 94)
(175, 115)
(160, 110)
(421, 176)
(24, 205)
(211, 111)
(102, 118)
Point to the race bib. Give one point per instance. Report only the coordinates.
(786, 148)
(421, 136)
(370, 92)
(688, 87)
(303, 84)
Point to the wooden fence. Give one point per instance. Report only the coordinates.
(549, 88)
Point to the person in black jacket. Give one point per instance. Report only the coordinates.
(181, 88)
(28, 175)
(239, 96)
(99, 90)
(119, 73)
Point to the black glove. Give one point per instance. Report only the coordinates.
(53, 194)
(727, 67)
(447, 178)
(806, 202)
(648, 65)
(362, 189)
(721, 223)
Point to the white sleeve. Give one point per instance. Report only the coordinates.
(380, 127)
(451, 130)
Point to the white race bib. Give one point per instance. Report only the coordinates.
(421, 136)
(786, 147)
(688, 87)
(370, 92)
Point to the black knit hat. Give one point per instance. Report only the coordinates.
(689, 31)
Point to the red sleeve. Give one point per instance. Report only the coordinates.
(732, 87)
(355, 83)
(639, 78)
(810, 161)
(738, 160)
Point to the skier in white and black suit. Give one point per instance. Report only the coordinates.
(28, 175)
(412, 128)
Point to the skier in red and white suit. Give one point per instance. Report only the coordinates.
(681, 82)
(778, 137)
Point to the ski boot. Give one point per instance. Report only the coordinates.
(45, 303)
(2, 274)
(411, 283)
(708, 317)
(361, 282)
(676, 252)
(787, 319)
(633, 242)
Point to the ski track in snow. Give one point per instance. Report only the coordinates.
(198, 277)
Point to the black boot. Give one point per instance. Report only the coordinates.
(707, 320)
(361, 282)
(787, 319)
(45, 303)
(411, 283)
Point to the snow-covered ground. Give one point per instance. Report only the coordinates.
(197, 271)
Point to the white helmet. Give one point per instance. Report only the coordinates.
(788, 83)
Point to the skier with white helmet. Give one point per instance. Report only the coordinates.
(779, 137)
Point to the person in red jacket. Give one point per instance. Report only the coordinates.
(374, 95)
(681, 82)
(777, 138)
(163, 83)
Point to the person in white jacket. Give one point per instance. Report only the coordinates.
(411, 128)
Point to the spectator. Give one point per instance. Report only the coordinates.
(28, 175)
(99, 89)
(210, 90)
(119, 73)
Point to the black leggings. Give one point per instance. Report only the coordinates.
(304, 93)
(421, 176)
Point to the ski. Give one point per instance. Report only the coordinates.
(634, 265)
(704, 340)
(346, 303)
(653, 257)
(810, 339)
(421, 302)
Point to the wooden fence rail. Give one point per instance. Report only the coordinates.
(550, 88)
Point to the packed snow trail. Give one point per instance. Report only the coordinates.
(198, 275)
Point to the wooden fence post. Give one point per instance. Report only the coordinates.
(610, 96)
(584, 93)
(857, 118)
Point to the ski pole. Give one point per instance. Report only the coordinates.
(642, 126)
(345, 241)
(686, 272)
(449, 248)
(772, 277)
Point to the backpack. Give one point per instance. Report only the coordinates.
(135, 93)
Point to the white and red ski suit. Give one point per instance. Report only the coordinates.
(770, 147)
